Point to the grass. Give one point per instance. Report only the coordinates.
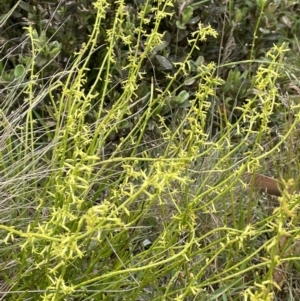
(164, 213)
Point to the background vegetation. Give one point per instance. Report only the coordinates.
(127, 128)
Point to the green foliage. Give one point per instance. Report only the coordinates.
(126, 128)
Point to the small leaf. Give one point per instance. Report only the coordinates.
(200, 60)
(182, 34)
(167, 37)
(161, 46)
(35, 35)
(192, 66)
(54, 52)
(166, 64)
(41, 61)
(165, 109)
(187, 14)
(125, 124)
(71, 8)
(26, 6)
(194, 20)
(261, 4)
(264, 30)
(179, 25)
(54, 44)
(238, 15)
(285, 20)
(43, 38)
(54, 48)
(147, 9)
(182, 97)
(189, 81)
(19, 71)
(7, 77)
(186, 104)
